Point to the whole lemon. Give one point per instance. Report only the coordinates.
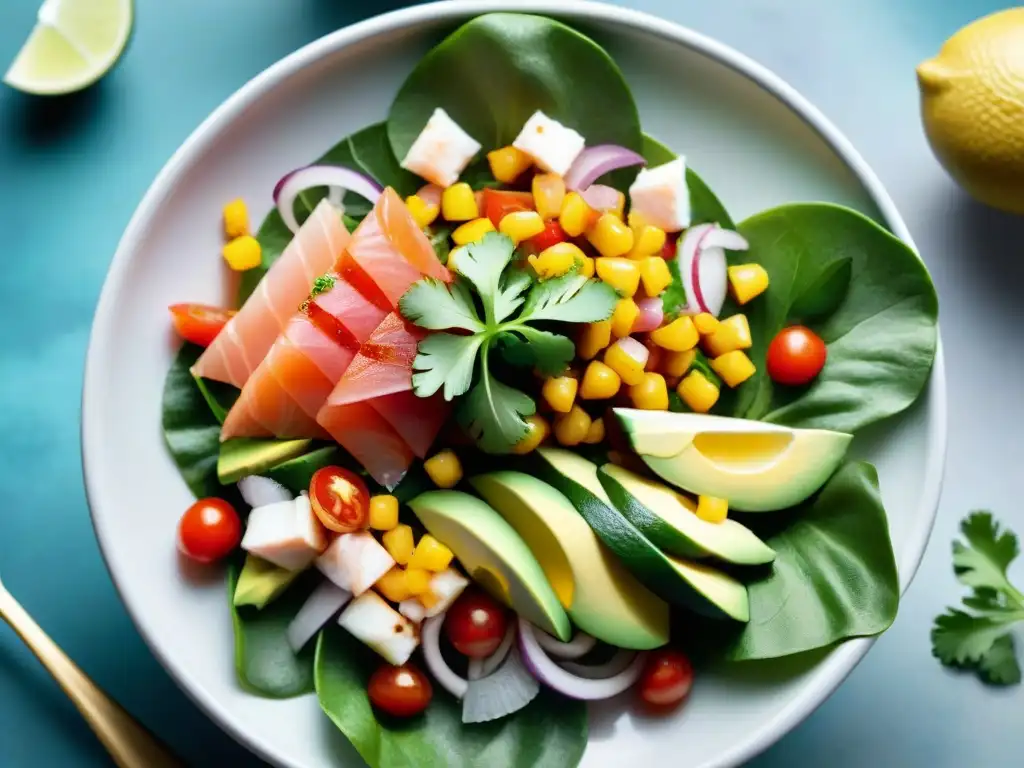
(972, 103)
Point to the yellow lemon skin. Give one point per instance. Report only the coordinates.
(972, 105)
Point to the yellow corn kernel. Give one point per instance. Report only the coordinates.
(458, 203)
(732, 333)
(647, 240)
(734, 367)
(712, 509)
(521, 225)
(677, 364)
(392, 585)
(429, 599)
(651, 394)
(678, 336)
(587, 266)
(655, 275)
(243, 253)
(399, 543)
(453, 256)
(548, 194)
(697, 392)
(236, 218)
(560, 393)
(706, 323)
(593, 338)
(570, 428)
(508, 163)
(430, 555)
(625, 314)
(444, 468)
(630, 371)
(747, 281)
(417, 581)
(383, 512)
(423, 213)
(536, 433)
(576, 216)
(596, 432)
(472, 231)
(600, 382)
(611, 237)
(555, 260)
(621, 274)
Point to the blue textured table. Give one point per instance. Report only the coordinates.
(73, 169)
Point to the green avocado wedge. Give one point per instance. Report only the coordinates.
(668, 519)
(243, 456)
(696, 586)
(260, 582)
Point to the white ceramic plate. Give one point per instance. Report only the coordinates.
(753, 139)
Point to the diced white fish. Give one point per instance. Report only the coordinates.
(442, 150)
(370, 619)
(285, 533)
(660, 196)
(554, 147)
(413, 610)
(446, 586)
(354, 561)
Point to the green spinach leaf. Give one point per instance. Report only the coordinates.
(551, 732)
(495, 71)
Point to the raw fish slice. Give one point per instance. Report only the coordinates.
(349, 312)
(247, 338)
(418, 420)
(374, 443)
(383, 365)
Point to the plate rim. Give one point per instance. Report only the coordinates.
(830, 673)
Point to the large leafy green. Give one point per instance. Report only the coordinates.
(863, 291)
(496, 70)
(551, 732)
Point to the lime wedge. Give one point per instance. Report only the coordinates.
(74, 43)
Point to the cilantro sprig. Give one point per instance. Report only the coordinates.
(490, 308)
(980, 640)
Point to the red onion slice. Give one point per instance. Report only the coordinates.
(430, 636)
(602, 198)
(702, 266)
(616, 664)
(580, 645)
(637, 351)
(652, 313)
(492, 662)
(330, 176)
(430, 194)
(594, 162)
(726, 238)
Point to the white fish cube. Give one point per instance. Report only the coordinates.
(370, 619)
(285, 533)
(553, 146)
(442, 150)
(354, 561)
(660, 196)
(413, 610)
(446, 586)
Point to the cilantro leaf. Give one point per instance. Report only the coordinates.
(431, 304)
(493, 413)
(482, 263)
(571, 298)
(999, 666)
(445, 359)
(987, 555)
(527, 347)
(976, 642)
(510, 296)
(674, 297)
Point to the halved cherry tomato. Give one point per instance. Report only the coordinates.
(400, 691)
(795, 356)
(499, 202)
(340, 499)
(199, 323)
(666, 679)
(668, 250)
(475, 624)
(552, 235)
(209, 530)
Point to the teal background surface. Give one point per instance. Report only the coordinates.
(73, 169)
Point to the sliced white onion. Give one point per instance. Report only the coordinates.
(616, 664)
(330, 176)
(580, 645)
(430, 637)
(652, 313)
(258, 491)
(601, 198)
(510, 688)
(319, 608)
(726, 238)
(492, 662)
(594, 162)
(573, 686)
(637, 351)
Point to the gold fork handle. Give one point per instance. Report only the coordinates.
(127, 740)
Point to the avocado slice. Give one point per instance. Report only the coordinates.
(260, 583)
(758, 467)
(494, 556)
(668, 519)
(601, 596)
(698, 587)
(243, 456)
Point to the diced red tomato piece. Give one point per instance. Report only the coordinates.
(666, 679)
(199, 323)
(499, 202)
(668, 250)
(552, 235)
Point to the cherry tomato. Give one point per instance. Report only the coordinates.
(209, 530)
(399, 691)
(475, 624)
(499, 202)
(340, 499)
(666, 679)
(552, 235)
(668, 250)
(795, 356)
(199, 323)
